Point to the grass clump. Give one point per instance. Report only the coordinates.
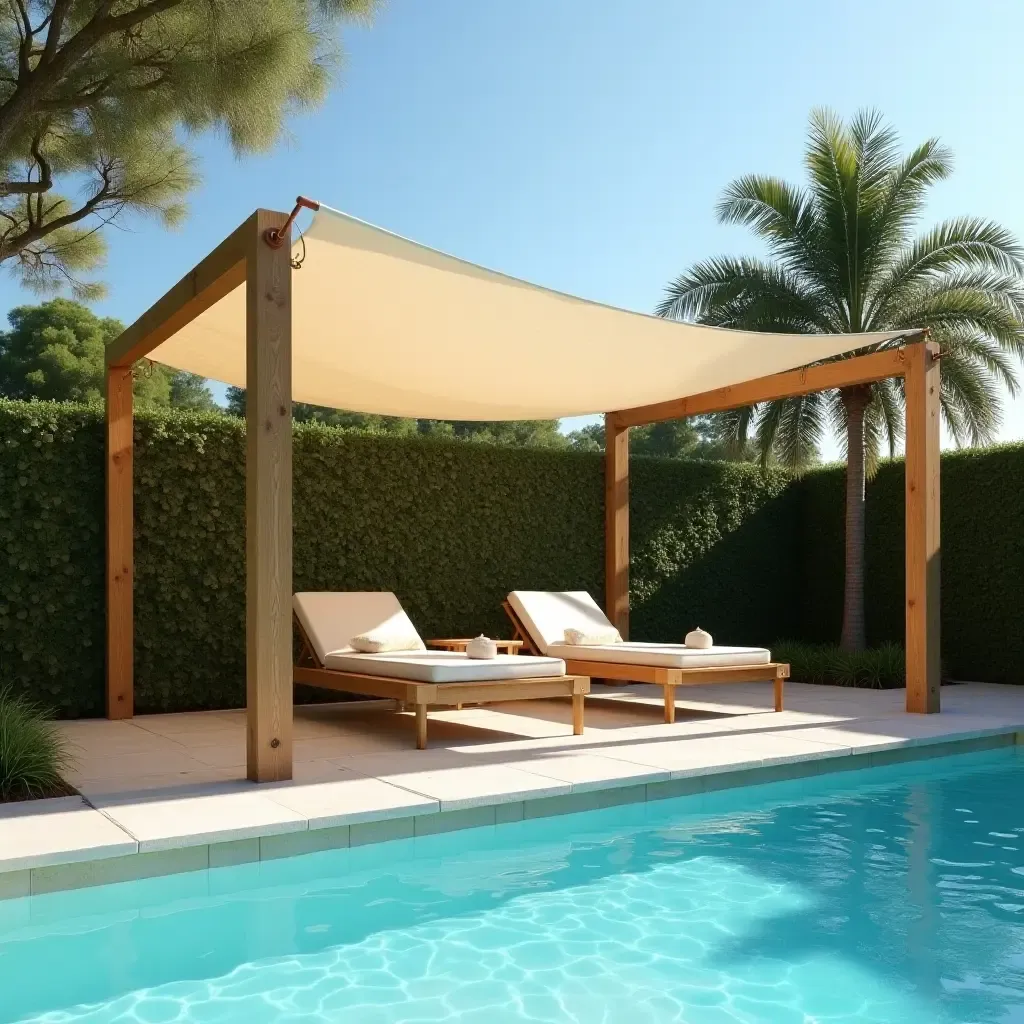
(33, 755)
(880, 668)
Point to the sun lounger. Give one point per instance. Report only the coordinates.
(541, 618)
(327, 622)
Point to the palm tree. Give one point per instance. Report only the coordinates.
(844, 256)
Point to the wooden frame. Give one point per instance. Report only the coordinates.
(120, 630)
(917, 363)
(669, 679)
(309, 670)
(242, 258)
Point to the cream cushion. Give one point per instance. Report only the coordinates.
(664, 655)
(446, 666)
(548, 614)
(332, 618)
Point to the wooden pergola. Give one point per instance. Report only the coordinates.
(254, 255)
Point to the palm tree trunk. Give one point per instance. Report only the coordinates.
(855, 401)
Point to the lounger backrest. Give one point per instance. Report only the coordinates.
(548, 614)
(331, 618)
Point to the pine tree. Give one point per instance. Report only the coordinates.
(102, 96)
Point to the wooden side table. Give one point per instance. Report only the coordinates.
(460, 643)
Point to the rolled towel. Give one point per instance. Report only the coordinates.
(698, 639)
(481, 648)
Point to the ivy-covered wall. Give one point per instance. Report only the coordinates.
(450, 527)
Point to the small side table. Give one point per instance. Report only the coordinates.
(459, 644)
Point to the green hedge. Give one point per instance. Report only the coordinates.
(982, 496)
(451, 527)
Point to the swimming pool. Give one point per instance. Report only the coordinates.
(887, 895)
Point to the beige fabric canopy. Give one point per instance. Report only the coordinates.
(384, 325)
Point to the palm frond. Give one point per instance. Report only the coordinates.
(967, 243)
(961, 344)
(883, 423)
(903, 194)
(969, 400)
(727, 292)
(783, 216)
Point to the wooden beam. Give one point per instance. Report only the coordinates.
(616, 525)
(268, 502)
(120, 554)
(923, 623)
(823, 377)
(221, 272)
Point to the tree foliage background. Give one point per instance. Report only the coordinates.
(100, 98)
(54, 352)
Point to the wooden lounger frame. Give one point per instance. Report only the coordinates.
(667, 678)
(309, 670)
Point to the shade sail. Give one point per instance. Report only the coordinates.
(381, 324)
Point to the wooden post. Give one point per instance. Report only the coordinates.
(923, 623)
(120, 554)
(616, 524)
(268, 503)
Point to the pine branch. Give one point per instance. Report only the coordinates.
(35, 84)
(39, 227)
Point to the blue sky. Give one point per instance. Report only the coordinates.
(583, 145)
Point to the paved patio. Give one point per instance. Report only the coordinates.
(166, 793)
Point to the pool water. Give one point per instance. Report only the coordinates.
(886, 895)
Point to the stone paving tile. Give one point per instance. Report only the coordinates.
(37, 833)
(458, 787)
(348, 798)
(217, 812)
(585, 772)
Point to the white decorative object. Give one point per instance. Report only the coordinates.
(383, 643)
(596, 637)
(698, 639)
(482, 648)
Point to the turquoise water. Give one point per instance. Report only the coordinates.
(890, 895)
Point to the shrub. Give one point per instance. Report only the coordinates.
(879, 668)
(33, 754)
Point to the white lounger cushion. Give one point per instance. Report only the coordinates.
(548, 614)
(446, 666)
(664, 655)
(332, 618)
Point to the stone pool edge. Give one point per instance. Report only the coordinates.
(83, 868)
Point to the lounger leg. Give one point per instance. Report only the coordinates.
(670, 704)
(421, 726)
(779, 683)
(577, 714)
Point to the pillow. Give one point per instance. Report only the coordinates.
(381, 643)
(596, 637)
(699, 639)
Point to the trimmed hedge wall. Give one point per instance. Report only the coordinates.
(982, 495)
(451, 527)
